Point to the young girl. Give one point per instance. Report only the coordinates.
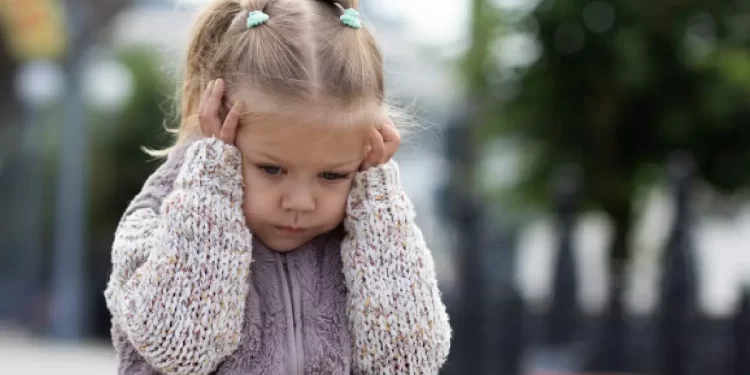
(276, 237)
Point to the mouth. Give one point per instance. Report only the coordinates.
(290, 229)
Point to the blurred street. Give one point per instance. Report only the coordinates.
(581, 174)
(20, 354)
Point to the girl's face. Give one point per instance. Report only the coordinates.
(297, 178)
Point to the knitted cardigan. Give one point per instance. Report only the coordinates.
(178, 287)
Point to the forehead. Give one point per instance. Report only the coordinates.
(303, 142)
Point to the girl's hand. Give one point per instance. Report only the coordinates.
(384, 142)
(212, 125)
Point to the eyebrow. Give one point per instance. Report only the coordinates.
(278, 161)
(266, 155)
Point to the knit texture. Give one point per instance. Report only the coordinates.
(179, 290)
(396, 316)
(264, 347)
(178, 283)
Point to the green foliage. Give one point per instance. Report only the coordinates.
(119, 166)
(618, 99)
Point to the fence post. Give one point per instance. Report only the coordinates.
(741, 335)
(463, 208)
(562, 317)
(604, 352)
(505, 316)
(678, 284)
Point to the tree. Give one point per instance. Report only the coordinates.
(615, 87)
(102, 12)
(88, 17)
(119, 165)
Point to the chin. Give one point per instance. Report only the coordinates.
(281, 244)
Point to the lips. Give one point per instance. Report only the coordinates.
(290, 229)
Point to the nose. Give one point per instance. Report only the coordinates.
(298, 198)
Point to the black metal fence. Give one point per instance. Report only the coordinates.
(494, 333)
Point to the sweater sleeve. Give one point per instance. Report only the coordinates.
(129, 361)
(178, 285)
(393, 293)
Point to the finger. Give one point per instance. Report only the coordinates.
(390, 133)
(212, 107)
(376, 151)
(224, 109)
(204, 123)
(229, 129)
(391, 141)
(204, 97)
(388, 153)
(366, 158)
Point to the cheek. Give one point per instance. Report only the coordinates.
(256, 195)
(334, 203)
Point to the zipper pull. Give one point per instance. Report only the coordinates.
(285, 263)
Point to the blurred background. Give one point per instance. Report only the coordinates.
(581, 177)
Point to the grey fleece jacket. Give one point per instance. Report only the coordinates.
(295, 316)
(192, 292)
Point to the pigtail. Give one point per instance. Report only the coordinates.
(283, 56)
(351, 62)
(207, 36)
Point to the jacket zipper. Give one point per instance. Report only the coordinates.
(295, 367)
(289, 285)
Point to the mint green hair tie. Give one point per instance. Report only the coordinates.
(256, 18)
(350, 18)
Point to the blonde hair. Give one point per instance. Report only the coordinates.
(302, 60)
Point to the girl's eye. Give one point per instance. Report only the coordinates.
(332, 176)
(270, 170)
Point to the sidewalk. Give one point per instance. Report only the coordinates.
(28, 356)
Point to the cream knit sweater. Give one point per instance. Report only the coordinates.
(178, 286)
